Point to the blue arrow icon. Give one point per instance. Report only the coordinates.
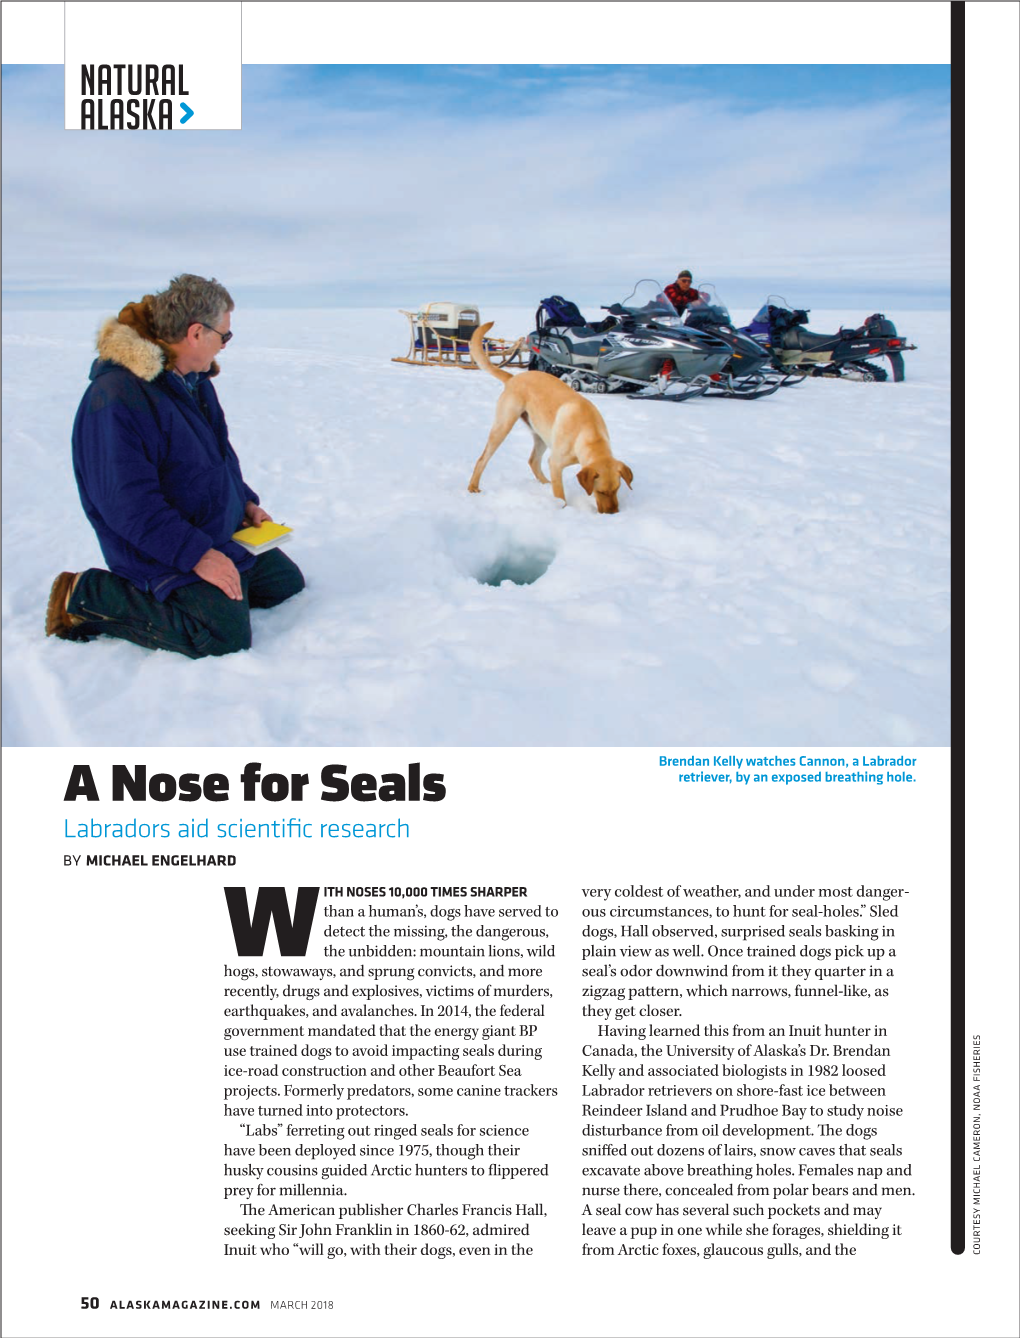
(188, 114)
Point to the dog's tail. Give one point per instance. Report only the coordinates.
(480, 356)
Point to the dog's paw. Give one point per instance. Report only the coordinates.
(473, 487)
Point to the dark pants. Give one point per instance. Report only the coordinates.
(196, 620)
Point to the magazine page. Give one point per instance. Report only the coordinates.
(532, 899)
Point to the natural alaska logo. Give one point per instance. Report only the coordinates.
(152, 66)
(133, 97)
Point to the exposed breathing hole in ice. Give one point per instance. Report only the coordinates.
(492, 553)
(520, 566)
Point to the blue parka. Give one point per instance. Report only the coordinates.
(156, 473)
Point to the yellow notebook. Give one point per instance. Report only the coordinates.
(261, 538)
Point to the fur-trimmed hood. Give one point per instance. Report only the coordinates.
(129, 340)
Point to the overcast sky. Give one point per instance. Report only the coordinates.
(393, 186)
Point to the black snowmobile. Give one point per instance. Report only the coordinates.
(642, 343)
(749, 374)
(780, 329)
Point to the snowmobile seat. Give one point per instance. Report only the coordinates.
(798, 337)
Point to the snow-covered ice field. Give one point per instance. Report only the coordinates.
(778, 575)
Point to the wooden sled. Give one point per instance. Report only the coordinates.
(440, 336)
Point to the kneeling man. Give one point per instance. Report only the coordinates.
(163, 490)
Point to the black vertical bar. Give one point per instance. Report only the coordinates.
(959, 1070)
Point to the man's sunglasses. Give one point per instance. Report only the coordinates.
(224, 338)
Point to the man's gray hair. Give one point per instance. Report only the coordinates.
(188, 299)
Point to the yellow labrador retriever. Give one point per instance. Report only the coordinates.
(562, 421)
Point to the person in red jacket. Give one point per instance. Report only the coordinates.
(681, 294)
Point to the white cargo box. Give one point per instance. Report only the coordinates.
(448, 316)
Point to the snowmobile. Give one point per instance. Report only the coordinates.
(779, 328)
(749, 374)
(641, 345)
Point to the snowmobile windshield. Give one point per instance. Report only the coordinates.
(773, 300)
(648, 302)
(709, 309)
